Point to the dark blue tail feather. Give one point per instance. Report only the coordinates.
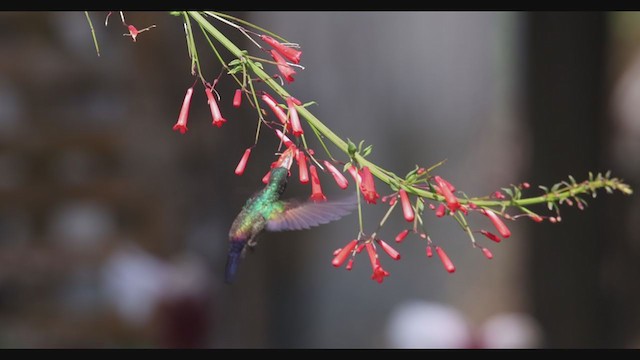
(233, 260)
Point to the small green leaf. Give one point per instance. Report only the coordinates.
(309, 104)
(544, 188)
(259, 65)
(573, 181)
(175, 13)
(550, 205)
(234, 62)
(367, 150)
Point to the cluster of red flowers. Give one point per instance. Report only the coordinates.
(450, 206)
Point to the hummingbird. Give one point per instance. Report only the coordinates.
(264, 211)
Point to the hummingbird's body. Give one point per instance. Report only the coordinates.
(265, 211)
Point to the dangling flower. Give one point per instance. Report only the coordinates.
(342, 255)
(316, 189)
(429, 251)
(448, 264)
(296, 127)
(291, 54)
(368, 186)
(491, 236)
(395, 255)
(302, 167)
(284, 68)
(181, 125)
(487, 253)
(218, 120)
(277, 110)
(237, 98)
(378, 272)
(133, 32)
(243, 162)
(403, 234)
(354, 173)
(497, 222)
(337, 175)
(285, 140)
(445, 190)
(407, 209)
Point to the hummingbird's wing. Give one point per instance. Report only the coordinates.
(302, 215)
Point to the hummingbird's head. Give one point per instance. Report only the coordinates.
(286, 159)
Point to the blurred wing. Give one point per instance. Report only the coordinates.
(303, 215)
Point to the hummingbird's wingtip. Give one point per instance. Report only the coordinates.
(233, 260)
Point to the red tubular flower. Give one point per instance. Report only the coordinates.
(181, 125)
(243, 162)
(429, 251)
(393, 200)
(344, 253)
(368, 186)
(285, 140)
(373, 257)
(490, 236)
(302, 167)
(296, 127)
(277, 110)
(403, 234)
(448, 264)
(389, 250)
(291, 54)
(452, 201)
(407, 209)
(284, 68)
(316, 189)
(497, 222)
(237, 98)
(337, 175)
(218, 120)
(487, 253)
(441, 210)
(379, 273)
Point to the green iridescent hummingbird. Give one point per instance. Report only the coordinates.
(265, 211)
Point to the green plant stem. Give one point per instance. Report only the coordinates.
(384, 175)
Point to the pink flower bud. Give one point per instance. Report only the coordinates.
(497, 222)
(266, 177)
(403, 234)
(389, 250)
(340, 258)
(337, 175)
(407, 209)
(448, 264)
(429, 251)
(285, 140)
(273, 105)
(296, 127)
(237, 98)
(487, 253)
(349, 265)
(491, 236)
(181, 125)
(441, 210)
(243, 162)
(302, 167)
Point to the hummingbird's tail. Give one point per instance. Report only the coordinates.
(233, 260)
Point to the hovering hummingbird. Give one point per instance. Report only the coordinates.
(265, 211)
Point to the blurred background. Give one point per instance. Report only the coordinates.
(113, 227)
